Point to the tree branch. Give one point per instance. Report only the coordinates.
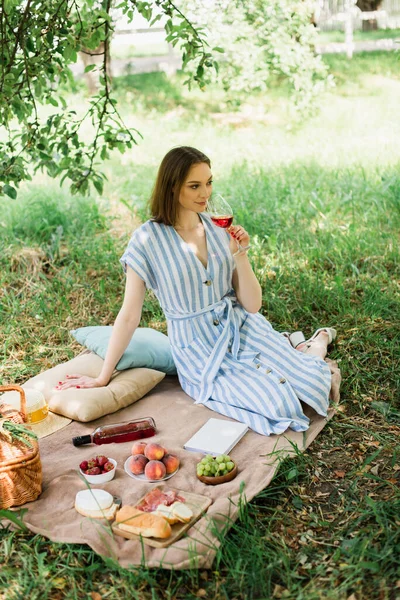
(18, 36)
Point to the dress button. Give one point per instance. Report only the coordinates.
(216, 322)
(258, 365)
(282, 380)
(268, 371)
(207, 283)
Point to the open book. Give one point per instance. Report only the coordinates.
(216, 437)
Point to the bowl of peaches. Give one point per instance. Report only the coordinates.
(151, 462)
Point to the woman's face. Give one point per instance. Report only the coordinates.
(197, 188)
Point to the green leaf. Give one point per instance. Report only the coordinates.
(67, 51)
(52, 101)
(218, 49)
(156, 18)
(10, 191)
(297, 502)
(10, 515)
(98, 184)
(89, 68)
(30, 45)
(375, 567)
(104, 153)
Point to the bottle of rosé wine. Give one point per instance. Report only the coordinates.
(119, 432)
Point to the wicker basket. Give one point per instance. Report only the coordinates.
(20, 466)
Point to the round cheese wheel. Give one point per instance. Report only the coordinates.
(89, 500)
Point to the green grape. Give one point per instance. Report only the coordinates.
(207, 468)
(213, 469)
(226, 457)
(219, 459)
(209, 458)
(200, 470)
(203, 461)
(221, 467)
(230, 465)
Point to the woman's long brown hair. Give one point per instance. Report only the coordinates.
(171, 176)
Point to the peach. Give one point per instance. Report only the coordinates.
(155, 469)
(154, 452)
(171, 463)
(138, 464)
(138, 448)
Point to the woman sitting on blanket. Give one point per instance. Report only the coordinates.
(227, 355)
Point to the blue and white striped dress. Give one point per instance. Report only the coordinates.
(228, 359)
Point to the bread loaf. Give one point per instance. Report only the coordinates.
(135, 521)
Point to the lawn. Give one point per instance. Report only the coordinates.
(322, 203)
(359, 35)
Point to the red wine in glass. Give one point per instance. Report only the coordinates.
(221, 213)
(223, 221)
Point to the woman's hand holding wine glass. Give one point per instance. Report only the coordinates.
(240, 239)
(222, 215)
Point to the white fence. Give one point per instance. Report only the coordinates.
(331, 14)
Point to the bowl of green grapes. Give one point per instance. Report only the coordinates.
(213, 470)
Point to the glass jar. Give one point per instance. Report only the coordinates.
(36, 405)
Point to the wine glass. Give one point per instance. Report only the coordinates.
(221, 214)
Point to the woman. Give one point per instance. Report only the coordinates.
(227, 354)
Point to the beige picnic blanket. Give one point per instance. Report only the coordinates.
(177, 419)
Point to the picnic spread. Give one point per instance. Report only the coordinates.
(146, 500)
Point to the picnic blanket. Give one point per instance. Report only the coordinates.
(177, 419)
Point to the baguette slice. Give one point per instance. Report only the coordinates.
(135, 521)
(166, 512)
(182, 512)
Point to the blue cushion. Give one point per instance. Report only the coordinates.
(147, 348)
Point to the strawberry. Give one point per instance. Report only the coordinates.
(94, 471)
(92, 463)
(108, 467)
(84, 465)
(101, 460)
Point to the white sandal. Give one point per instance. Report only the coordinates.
(329, 330)
(296, 338)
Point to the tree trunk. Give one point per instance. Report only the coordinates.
(96, 57)
(368, 5)
(369, 25)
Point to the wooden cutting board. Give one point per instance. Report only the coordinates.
(196, 502)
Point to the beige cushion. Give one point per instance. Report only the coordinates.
(124, 388)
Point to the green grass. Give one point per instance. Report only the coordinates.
(322, 204)
(359, 36)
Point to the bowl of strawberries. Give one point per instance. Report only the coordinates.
(99, 469)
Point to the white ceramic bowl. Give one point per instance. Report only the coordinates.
(103, 477)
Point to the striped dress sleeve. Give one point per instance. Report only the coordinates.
(136, 257)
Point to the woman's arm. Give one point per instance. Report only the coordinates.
(244, 282)
(125, 324)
